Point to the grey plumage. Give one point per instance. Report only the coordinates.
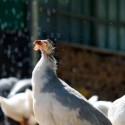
(70, 98)
(6, 84)
(58, 99)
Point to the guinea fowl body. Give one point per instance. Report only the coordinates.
(116, 112)
(19, 107)
(5, 87)
(56, 103)
(20, 87)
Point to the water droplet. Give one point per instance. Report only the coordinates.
(13, 11)
(16, 1)
(9, 51)
(20, 64)
(52, 35)
(6, 12)
(18, 16)
(54, 10)
(4, 25)
(67, 1)
(48, 12)
(58, 35)
(16, 50)
(48, 20)
(22, 25)
(11, 69)
(19, 34)
(46, 1)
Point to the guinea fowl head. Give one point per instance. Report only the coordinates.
(47, 50)
(45, 46)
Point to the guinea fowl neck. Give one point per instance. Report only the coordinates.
(43, 72)
(50, 61)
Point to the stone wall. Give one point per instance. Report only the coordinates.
(92, 71)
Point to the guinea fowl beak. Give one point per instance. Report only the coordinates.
(39, 44)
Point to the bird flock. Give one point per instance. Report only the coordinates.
(45, 99)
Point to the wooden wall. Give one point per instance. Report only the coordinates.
(92, 71)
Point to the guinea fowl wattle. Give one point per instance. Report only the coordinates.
(54, 101)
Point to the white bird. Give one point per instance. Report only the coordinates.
(20, 87)
(103, 106)
(54, 101)
(6, 84)
(5, 87)
(19, 107)
(93, 99)
(116, 112)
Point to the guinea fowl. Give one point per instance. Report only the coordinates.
(54, 101)
(116, 112)
(19, 107)
(20, 87)
(5, 87)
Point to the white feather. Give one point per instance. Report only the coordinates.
(93, 99)
(18, 106)
(103, 106)
(116, 112)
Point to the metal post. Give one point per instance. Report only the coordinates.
(34, 28)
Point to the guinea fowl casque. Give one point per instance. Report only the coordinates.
(54, 101)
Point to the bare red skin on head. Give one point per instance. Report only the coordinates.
(37, 41)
